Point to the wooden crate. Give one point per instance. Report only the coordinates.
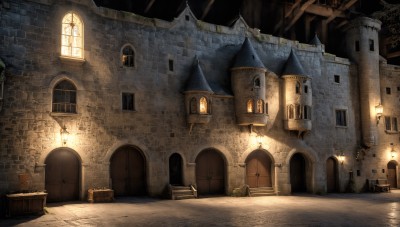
(25, 203)
(100, 195)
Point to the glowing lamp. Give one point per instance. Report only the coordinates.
(64, 135)
(259, 141)
(392, 152)
(341, 157)
(379, 112)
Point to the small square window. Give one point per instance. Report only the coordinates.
(337, 78)
(388, 90)
(187, 17)
(357, 44)
(128, 101)
(171, 65)
(341, 118)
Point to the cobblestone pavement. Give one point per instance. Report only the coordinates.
(380, 209)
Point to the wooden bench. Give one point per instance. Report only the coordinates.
(382, 185)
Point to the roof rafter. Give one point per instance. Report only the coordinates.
(298, 13)
(149, 5)
(207, 9)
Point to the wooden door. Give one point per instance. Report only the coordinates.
(331, 175)
(392, 175)
(210, 172)
(298, 173)
(62, 176)
(175, 169)
(128, 172)
(258, 170)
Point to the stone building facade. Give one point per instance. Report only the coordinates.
(99, 98)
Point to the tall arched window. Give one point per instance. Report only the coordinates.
(298, 112)
(290, 112)
(250, 105)
(64, 97)
(260, 106)
(193, 106)
(203, 105)
(128, 56)
(72, 36)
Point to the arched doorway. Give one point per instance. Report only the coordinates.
(210, 172)
(258, 169)
(62, 176)
(298, 173)
(175, 169)
(331, 175)
(128, 172)
(392, 174)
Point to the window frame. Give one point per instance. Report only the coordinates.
(128, 45)
(133, 102)
(65, 36)
(345, 118)
(391, 124)
(70, 104)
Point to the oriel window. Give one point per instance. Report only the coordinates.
(250, 105)
(203, 105)
(260, 106)
(193, 106)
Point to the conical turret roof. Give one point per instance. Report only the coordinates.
(315, 41)
(197, 80)
(293, 66)
(247, 57)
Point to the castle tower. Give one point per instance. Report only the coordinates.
(297, 96)
(362, 48)
(248, 85)
(197, 97)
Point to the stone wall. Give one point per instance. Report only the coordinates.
(30, 47)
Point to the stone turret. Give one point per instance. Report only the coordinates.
(198, 95)
(297, 96)
(248, 85)
(362, 47)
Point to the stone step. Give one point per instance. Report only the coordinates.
(182, 192)
(180, 197)
(262, 194)
(180, 188)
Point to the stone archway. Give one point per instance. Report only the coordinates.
(128, 172)
(210, 172)
(258, 170)
(392, 174)
(62, 175)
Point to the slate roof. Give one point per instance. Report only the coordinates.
(315, 41)
(247, 57)
(293, 66)
(197, 80)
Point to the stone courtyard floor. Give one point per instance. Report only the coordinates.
(380, 209)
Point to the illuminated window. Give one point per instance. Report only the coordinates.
(203, 105)
(250, 106)
(128, 101)
(290, 112)
(260, 106)
(128, 56)
(193, 106)
(72, 36)
(64, 97)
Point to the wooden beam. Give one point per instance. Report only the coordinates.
(207, 9)
(324, 11)
(345, 5)
(298, 14)
(393, 54)
(149, 5)
(341, 24)
(288, 12)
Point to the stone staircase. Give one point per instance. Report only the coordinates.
(183, 192)
(262, 191)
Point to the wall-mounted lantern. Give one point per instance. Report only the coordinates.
(392, 151)
(379, 112)
(64, 135)
(259, 141)
(341, 157)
